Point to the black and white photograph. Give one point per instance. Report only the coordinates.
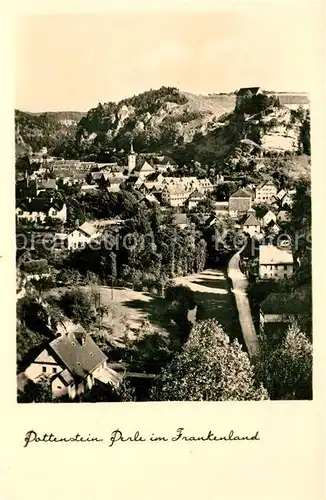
(163, 206)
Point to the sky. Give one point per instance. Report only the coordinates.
(72, 62)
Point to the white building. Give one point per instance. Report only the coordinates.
(268, 218)
(265, 192)
(79, 238)
(275, 263)
(251, 225)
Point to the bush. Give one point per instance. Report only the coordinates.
(77, 306)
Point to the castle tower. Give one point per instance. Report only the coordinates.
(131, 158)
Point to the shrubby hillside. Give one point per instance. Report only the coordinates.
(34, 130)
(194, 129)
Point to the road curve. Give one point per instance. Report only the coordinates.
(240, 283)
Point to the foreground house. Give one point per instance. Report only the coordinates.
(275, 263)
(276, 312)
(81, 236)
(73, 363)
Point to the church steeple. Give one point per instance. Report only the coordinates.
(131, 158)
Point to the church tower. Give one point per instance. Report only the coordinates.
(131, 158)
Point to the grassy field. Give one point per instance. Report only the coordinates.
(128, 310)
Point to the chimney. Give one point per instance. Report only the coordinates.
(80, 337)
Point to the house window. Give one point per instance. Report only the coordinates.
(285, 275)
(54, 370)
(285, 267)
(44, 369)
(59, 387)
(265, 275)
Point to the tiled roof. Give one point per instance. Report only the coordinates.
(180, 219)
(87, 228)
(196, 194)
(79, 359)
(265, 183)
(294, 99)
(270, 254)
(140, 164)
(240, 193)
(251, 221)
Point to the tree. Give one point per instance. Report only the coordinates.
(209, 368)
(37, 392)
(77, 306)
(102, 310)
(27, 341)
(286, 372)
(223, 191)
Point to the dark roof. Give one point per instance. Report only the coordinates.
(240, 193)
(40, 205)
(243, 90)
(196, 194)
(132, 178)
(282, 303)
(153, 176)
(79, 359)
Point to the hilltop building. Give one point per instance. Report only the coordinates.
(245, 93)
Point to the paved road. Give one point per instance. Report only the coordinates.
(240, 283)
